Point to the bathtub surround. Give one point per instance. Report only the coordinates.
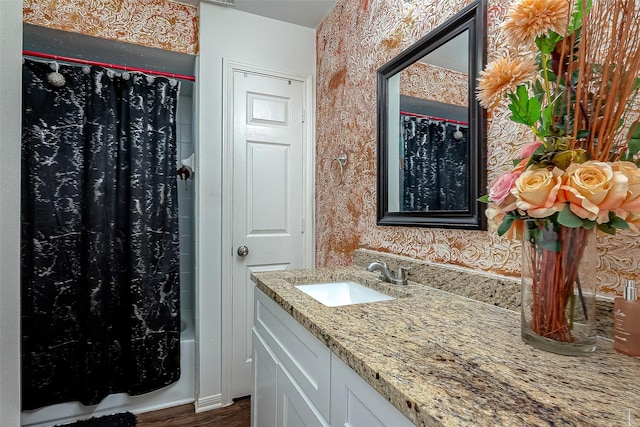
(100, 266)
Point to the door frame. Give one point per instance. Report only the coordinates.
(308, 149)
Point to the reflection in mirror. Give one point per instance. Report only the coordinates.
(430, 169)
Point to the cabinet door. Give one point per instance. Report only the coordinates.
(263, 401)
(354, 403)
(305, 358)
(294, 407)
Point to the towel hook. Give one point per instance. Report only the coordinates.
(341, 160)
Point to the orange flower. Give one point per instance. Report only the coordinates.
(634, 221)
(528, 19)
(593, 189)
(502, 76)
(537, 190)
(631, 203)
(495, 215)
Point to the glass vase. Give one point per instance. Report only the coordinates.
(559, 288)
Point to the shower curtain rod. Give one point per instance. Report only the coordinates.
(106, 65)
(442, 119)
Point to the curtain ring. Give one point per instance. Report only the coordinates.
(458, 134)
(55, 78)
(341, 160)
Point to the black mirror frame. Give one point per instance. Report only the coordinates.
(472, 18)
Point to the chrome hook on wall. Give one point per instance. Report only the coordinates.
(341, 160)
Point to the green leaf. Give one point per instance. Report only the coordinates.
(547, 118)
(576, 18)
(547, 43)
(553, 77)
(634, 130)
(588, 224)
(550, 245)
(606, 228)
(538, 90)
(617, 222)
(583, 133)
(506, 223)
(634, 147)
(484, 199)
(568, 218)
(525, 110)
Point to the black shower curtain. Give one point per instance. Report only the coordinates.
(100, 261)
(436, 165)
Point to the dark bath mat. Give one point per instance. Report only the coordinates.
(125, 419)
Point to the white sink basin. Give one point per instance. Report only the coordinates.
(335, 294)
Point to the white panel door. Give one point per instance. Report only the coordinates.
(268, 203)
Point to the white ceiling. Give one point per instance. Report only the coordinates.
(307, 13)
(452, 55)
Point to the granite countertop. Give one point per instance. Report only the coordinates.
(447, 360)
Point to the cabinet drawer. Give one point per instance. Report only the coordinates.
(302, 355)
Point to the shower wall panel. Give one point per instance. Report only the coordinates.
(186, 200)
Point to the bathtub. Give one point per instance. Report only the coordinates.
(178, 393)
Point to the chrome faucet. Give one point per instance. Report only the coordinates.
(386, 274)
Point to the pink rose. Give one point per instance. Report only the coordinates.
(501, 188)
(528, 149)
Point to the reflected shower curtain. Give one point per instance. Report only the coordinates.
(436, 165)
(100, 261)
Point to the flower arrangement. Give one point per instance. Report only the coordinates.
(571, 77)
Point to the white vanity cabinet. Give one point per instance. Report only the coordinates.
(354, 403)
(298, 382)
(291, 370)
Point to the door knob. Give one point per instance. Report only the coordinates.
(243, 251)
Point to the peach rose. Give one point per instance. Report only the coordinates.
(633, 219)
(495, 215)
(528, 149)
(501, 188)
(593, 189)
(631, 203)
(520, 167)
(536, 191)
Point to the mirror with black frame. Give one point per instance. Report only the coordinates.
(431, 129)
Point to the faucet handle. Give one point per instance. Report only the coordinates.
(402, 272)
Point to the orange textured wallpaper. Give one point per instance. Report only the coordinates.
(434, 83)
(356, 39)
(160, 24)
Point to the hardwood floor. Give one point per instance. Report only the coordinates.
(236, 415)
